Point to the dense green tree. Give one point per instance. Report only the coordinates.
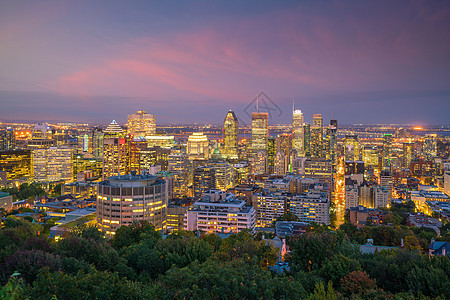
(91, 285)
(338, 267)
(128, 235)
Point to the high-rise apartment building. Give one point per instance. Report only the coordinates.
(127, 198)
(7, 139)
(115, 157)
(204, 179)
(230, 135)
(198, 146)
(220, 212)
(310, 207)
(53, 164)
(260, 132)
(268, 206)
(298, 134)
(141, 124)
(317, 136)
(179, 166)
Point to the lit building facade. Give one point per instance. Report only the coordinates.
(408, 153)
(310, 207)
(298, 134)
(17, 164)
(430, 146)
(316, 143)
(53, 164)
(115, 157)
(7, 139)
(127, 198)
(113, 131)
(141, 124)
(230, 135)
(268, 206)
(260, 132)
(204, 179)
(198, 146)
(351, 148)
(220, 212)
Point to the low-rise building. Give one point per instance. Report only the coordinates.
(360, 216)
(6, 201)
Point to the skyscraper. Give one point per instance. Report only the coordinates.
(113, 131)
(332, 141)
(283, 146)
(115, 157)
(260, 132)
(198, 146)
(307, 138)
(317, 136)
(141, 124)
(298, 132)
(387, 149)
(230, 135)
(7, 139)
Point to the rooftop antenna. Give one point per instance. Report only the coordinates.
(257, 104)
(293, 106)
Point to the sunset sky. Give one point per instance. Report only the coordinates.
(192, 61)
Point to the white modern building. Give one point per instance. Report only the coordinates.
(219, 211)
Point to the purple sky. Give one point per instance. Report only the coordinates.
(192, 61)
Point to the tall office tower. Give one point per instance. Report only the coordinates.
(179, 165)
(97, 142)
(298, 134)
(430, 146)
(271, 150)
(317, 136)
(332, 141)
(204, 179)
(371, 156)
(351, 148)
(115, 157)
(260, 132)
(113, 131)
(83, 166)
(387, 151)
(141, 157)
(127, 198)
(53, 164)
(386, 181)
(141, 124)
(198, 146)
(408, 153)
(307, 138)
(7, 139)
(17, 164)
(230, 135)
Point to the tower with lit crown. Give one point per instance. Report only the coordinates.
(230, 135)
(141, 124)
(317, 136)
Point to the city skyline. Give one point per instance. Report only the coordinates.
(386, 61)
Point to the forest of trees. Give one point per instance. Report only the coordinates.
(138, 263)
